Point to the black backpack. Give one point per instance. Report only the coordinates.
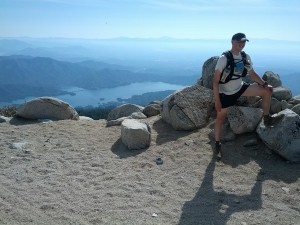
(228, 72)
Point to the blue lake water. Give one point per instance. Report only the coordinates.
(84, 97)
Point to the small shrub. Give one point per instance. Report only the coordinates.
(95, 113)
(8, 111)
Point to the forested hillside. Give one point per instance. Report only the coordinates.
(23, 76)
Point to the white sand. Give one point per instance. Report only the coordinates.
(79, 172)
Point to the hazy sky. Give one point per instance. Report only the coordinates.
(272, 19)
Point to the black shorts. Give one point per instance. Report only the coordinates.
(230, 100)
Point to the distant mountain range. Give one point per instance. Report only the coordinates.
(23, 76)
(48, 66)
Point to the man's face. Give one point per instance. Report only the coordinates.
(238, 45)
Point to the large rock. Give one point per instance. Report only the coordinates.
(135, 135)
(272, 78)
(227, 133)
(282, 93)
(47, 108)
(284, 137)
(124, 110)
(208, 70)
(244, 119)
(117, 122)
(189, 108)
(276, 106)
(296, 109)
(152, 110)
(295, 100)
(138, 115)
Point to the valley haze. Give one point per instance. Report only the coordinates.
(34, 67)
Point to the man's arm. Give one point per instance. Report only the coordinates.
(259, 80)
(256, 77)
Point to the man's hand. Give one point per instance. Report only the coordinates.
(270, 88)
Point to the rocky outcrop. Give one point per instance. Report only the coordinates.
(135, 135)
(243, 120)
(189, 108)
(47, 108)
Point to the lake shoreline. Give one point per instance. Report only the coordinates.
(107, 96)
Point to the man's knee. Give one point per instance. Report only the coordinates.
(266, 92)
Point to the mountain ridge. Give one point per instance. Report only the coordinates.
(52, 76)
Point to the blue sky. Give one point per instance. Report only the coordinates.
(193, 19)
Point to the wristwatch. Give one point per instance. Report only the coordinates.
(265, 84)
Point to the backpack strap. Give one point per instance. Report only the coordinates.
(245, 62)
(227, 72)
(229, 68)
(230, 59)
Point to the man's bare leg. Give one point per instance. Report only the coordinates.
(219, 123)
(221, 115)
(265, 94)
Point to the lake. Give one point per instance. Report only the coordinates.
(84, 97)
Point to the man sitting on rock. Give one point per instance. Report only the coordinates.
(228, 85)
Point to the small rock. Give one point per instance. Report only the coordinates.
(159, 161)
(249, 143)
(4, 119)
(189, 142)
(45, 120)
(27, 151)
(236, 201)
(286, 190)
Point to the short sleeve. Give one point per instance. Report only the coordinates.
(221, 63)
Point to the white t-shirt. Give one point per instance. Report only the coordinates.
(233, 86)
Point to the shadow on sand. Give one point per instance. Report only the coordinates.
(210, 206)
(213, 207)
(166, 133)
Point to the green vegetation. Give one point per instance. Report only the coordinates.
(8, 111)
(95, 113)
(102, 111)
(146, 98)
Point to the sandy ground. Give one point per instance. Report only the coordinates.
(79, 172)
